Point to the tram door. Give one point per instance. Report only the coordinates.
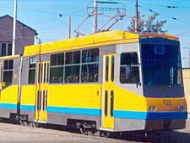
(108, 91)
(42, 91)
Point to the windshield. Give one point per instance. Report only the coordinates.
(161, 65)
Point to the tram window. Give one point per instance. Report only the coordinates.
(73, 57)
(56, 68)
(31, 76)
(106, 103)
(72, 74)
(89, 73)
(129, 70)
(112, 68)
(56, 74)
(57, 59)
(107, 68)
(72, 67)
(8, 72)
(90, 65)
(32, 69)
(112, 103)
(91, 55)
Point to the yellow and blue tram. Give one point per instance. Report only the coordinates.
(111, 81)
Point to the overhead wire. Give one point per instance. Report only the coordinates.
(171, 17)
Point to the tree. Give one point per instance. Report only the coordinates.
(140, 25)
(151, 25)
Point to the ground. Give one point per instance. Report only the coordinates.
(15, 133)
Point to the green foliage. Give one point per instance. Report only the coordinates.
(151, 25)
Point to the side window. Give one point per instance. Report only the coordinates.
(90, 65)
(129, 69)
(8, 72)
(32, 70)
(57, 68)
(72, 67)
(112, 67)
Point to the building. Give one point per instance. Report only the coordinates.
(25, 35)
(186, 82)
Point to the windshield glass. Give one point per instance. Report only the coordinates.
(161, 65)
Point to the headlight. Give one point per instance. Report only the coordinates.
(152, 108)
(181, 108)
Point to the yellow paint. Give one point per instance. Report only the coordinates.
(9, 94)
(168, 36)
(77, 96)
(9, 57)
(42, 85)
(166, 104)
(28, 95)
(93, 40)
(107, 87)
(127, 100)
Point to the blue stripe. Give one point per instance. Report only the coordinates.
(149, 115)
(28, 107)
(70, 110)
(97, 112)
(14, 106)
(8, 106)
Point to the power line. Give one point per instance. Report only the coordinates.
(173, 18)
(167, 6)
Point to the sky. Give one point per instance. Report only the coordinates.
(50, 17)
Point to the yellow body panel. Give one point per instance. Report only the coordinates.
(78, 96)
(166, 104)
(127, 100)
(28, 95)
(98, 39)
(9, 94)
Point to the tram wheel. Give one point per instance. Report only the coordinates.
(105, 134)
(83, 130)
(23, 123)
(34, 124)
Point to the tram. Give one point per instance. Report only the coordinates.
(112, 81)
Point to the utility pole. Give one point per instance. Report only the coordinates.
(95, 19)
(14, 27)
(69, 27)
(136, 16)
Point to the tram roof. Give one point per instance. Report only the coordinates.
(92, 40)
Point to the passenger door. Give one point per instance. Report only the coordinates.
(42, 91)
(108, 91)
